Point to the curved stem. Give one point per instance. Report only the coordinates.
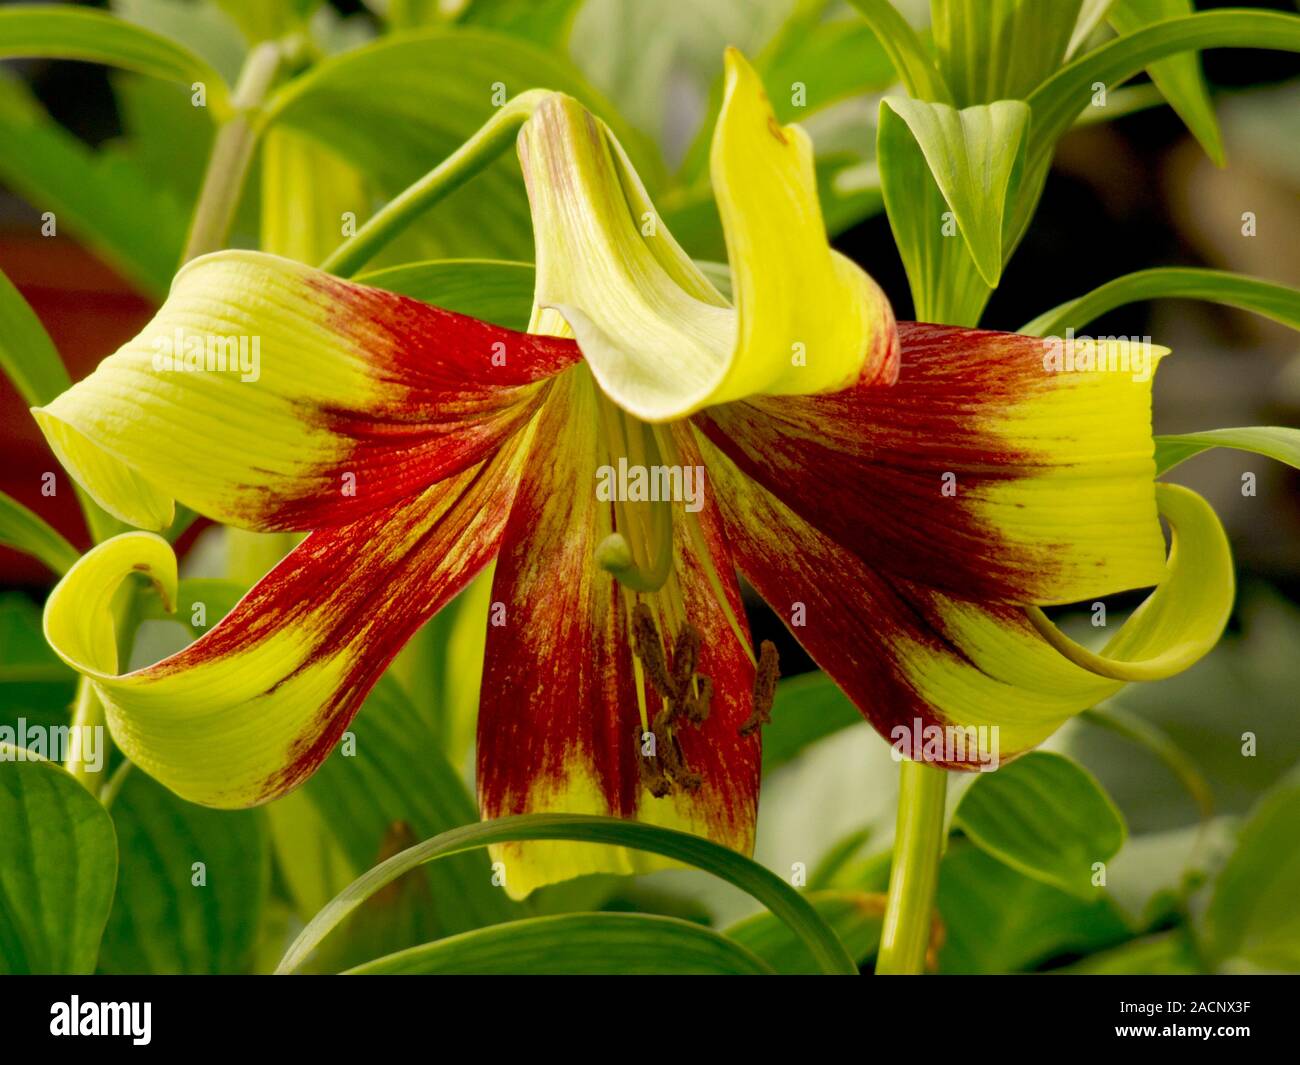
(466, 161)
(918, 844)
(87, 714)
(232, 152)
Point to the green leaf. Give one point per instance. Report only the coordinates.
(1059, 100)
(577, 944)
(58, 862)
(913, 62)
(1253, 916)
(171, 914)
(24, 530)
(397, 107)
(27, 355)
(946, 285)
(490, 289)
(855, 916)
(1179, 78)
(102, 197)
(546, 23)
(974, 156)
(1000, 49)
(722, 862)
(265, 20)
(998, 921)
(46, 31)
(1278, 302)
(1139, 730)
(1045, 816)
(395, 788)
(807, 708)
(1167, 954)
(1272, 441)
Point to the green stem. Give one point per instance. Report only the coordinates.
(464, 163)
(918, 844)
(232, 153)
(87, 713)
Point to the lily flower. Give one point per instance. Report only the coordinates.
(905, 496)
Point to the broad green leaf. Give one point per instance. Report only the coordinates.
(807, 708)
(58, 862)
(945, 283)
(912, 60)
(1278, 302)
(165, 136)
(57, 32)
(203, 28)
(27, 355)
(191, 886)
(1272, 441)
(490, 289)
(388, 782)
(101, 197)
(765, 886)
(998, 921)
(1000, 49)
(546, 23)
(856, 917)
(396, 108)
(974, 156)
(1167, 954)
(22, 529)
(1179, 78)
(1253, 916)
(1045, 816)
(577, 944)
(307, 192)
(34, 683)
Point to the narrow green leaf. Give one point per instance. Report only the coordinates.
(1091, 15)
(913, 62)
(192, 885)
(102, 197)
(385, 787)
(1179, 77)
(22, 529)
(1059, 100)
(1000, 49)
(27, 355)
(1272, 441)
(946, 285)
(1278, 302)
(577, 944)
(1253, 915)
(1142, 732)
(1046, 816)
(58, 863)
(856, 917)
(742, 872)
(975, 156)
(56, 32)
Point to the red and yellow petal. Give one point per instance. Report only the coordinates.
(981, 472)
(336, 399)
(976, 678)
(560, 722)
(248, 711)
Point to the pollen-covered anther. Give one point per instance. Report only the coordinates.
(685, 696)
(764, 689)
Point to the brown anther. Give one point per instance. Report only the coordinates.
(645, 641)
(696, 705)
(686, 656)
(764, 689)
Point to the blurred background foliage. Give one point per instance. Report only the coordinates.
(1206, 841)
